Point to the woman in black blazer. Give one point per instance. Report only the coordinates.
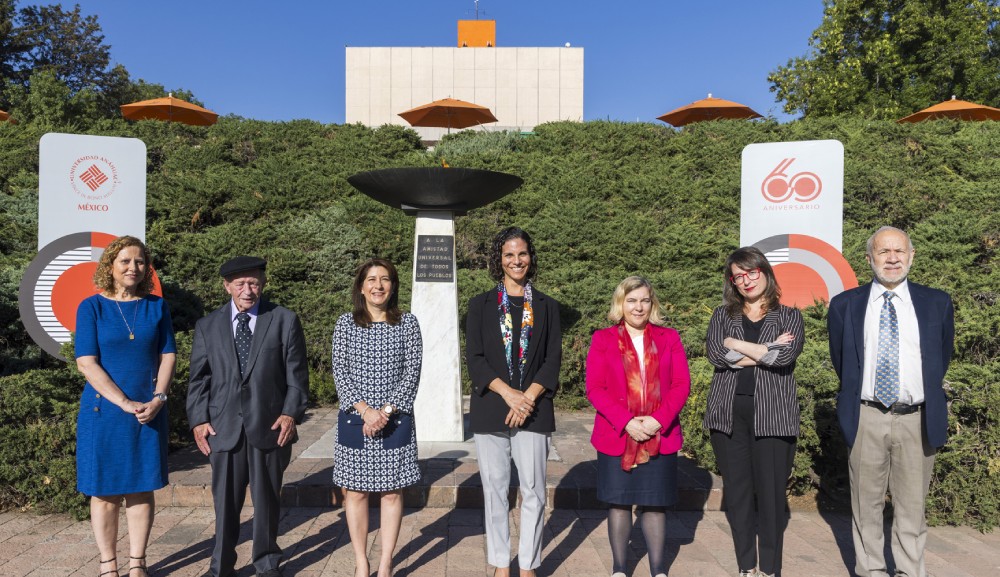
(753, 409)
(513, 350)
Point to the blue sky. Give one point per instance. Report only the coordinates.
(285, 60)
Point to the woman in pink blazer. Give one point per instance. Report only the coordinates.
(638, 380)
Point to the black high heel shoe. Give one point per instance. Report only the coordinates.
(140, 567)
(115, 572)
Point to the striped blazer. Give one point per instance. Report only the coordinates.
(776, 405)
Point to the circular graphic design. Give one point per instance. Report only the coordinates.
(807, 268)
(55, 284)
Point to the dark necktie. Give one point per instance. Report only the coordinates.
(887, 360)
(243, 338)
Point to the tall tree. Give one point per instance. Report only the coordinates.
(68, 42)
(12, 46)
(119, 88)
(888, 58)
(54, 67)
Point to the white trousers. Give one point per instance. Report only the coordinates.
(530, 452)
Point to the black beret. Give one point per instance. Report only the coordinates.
(242, 264)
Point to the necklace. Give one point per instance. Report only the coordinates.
(131, 333)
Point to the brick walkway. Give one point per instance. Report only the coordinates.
(445, 537)
(439, 542)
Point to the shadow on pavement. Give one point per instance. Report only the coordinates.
(470, 520)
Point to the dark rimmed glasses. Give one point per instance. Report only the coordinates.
(752, 274)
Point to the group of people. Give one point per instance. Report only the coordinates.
(249, 388)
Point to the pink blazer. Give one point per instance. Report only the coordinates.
(606, 389)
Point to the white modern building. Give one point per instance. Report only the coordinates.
(522, 86)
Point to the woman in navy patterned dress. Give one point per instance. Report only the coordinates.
(125, 348)
(377, 351)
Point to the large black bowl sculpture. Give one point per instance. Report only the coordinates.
(455, 189)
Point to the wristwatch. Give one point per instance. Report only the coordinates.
(388, 409)
(161, 396)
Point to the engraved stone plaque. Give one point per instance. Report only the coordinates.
(435, 258)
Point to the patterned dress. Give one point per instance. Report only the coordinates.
(379, 364)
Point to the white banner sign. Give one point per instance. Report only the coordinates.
(91, 189)
(793, 187)
(792, 209)
(90, 183)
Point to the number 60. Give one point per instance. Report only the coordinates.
(778, 187)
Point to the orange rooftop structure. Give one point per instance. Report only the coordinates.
(477, 33)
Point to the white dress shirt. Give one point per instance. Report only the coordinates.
(637, 342)
(911, 377)
(252, 312)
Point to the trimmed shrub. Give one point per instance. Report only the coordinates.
(602, 199)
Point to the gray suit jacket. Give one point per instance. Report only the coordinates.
(276, 383)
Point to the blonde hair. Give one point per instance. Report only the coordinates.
(617, 311)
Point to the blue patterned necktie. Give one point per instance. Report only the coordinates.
(243, 338)
(887, 361)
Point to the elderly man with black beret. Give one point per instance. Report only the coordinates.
(249, 387)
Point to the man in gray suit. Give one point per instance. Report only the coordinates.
(248, 389)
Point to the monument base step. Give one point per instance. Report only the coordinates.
(449, 473)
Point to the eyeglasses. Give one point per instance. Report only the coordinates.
(752, 274)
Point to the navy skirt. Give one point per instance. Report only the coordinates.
(653, 484)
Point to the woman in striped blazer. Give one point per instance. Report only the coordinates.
(753, 409)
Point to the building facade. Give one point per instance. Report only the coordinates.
(522, 86)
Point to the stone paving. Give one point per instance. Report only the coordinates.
(437, 542)
(444, 536)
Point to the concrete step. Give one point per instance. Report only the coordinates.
(450, 472)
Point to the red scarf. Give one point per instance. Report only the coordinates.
(643, 397)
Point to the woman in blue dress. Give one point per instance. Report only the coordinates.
(125, 348)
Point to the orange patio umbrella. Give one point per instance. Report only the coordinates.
(955, 109)
(170, 109)
(448, 113)
(708, 109)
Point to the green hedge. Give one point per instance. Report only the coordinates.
(602, 199)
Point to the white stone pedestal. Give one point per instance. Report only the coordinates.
(438, 408)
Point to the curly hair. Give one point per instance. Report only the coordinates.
(749, 258)
(496, 252)
(362, 318)
(104, 278)
(617, 310)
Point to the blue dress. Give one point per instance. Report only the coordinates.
(115, 454)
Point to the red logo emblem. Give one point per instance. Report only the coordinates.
(98, 174)
(779, 187)
(93, 177)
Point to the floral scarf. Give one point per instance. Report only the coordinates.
(506, 330)
(643, 394)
